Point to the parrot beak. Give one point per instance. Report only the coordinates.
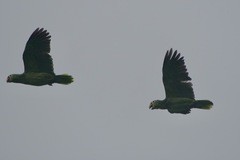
(151, 106)
(8, 79)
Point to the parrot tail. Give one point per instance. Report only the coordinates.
(203, 104)
(63, 79)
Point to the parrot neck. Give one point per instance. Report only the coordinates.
(18, 78)
(161, 104)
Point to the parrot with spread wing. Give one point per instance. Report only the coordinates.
(178, 88)
(38, 64)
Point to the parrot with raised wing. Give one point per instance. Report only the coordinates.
(38, 64)
(178, 88)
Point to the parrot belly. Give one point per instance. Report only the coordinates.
(39, 79)
(179, 105)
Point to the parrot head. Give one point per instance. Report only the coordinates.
(12, 78)
(9, 78)
(157, 104)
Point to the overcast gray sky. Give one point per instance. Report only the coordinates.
(115, 50)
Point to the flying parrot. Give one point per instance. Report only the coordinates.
(178, 88)
(38, 64)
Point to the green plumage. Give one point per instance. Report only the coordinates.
(38, 64)
(179, 92)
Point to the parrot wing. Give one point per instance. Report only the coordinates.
(175, 76)
(35, 56)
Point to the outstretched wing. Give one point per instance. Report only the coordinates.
(35, 56)
(175, 76)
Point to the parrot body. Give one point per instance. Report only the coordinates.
(38, 65)
(179, 92)
(181, 105)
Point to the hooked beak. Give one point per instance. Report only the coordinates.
(8, 79)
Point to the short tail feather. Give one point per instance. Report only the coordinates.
(63, 79)
(203, 104)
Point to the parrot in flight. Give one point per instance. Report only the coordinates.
(38, 64)
(178, 88)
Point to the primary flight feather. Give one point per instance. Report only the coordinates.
(178, 88)
(38, 64)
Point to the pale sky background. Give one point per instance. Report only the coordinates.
(115, 50)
